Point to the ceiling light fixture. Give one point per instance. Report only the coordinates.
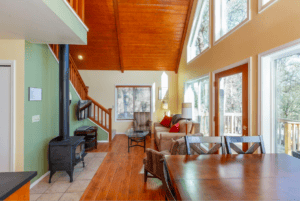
(80, 57)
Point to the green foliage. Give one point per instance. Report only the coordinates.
(288, 87)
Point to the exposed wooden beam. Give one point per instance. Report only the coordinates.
(186, 24)
(117, 19)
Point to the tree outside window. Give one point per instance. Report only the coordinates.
(200, 38)
(132, 99)
(228, 15)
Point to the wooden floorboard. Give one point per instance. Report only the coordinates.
(120, 176)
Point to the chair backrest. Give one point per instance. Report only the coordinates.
(192, 140)
(142, 118)
(296, 154)
(170, 194)
(256, 140)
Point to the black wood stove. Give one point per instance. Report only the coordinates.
(65, 151)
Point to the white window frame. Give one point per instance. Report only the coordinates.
(262, 7)
(209, 91)
(130, 85)
(250, 84)
(195, 28)
(216, 41)
(266, 90)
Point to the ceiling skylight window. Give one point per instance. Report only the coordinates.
(199, 39)
(229, 16)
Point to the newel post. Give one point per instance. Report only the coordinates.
(110, 122)
(87, 91)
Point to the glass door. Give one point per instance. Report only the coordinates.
(287, 103)
(231, 102)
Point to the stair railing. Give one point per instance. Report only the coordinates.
(79, 7)
(100, 115)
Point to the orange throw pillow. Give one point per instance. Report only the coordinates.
(175, 128)
(166, 121)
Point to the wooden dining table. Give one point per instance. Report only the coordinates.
(235, 177)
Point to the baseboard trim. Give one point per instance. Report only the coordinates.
(40, 179)
(102, 141)
(120, 133)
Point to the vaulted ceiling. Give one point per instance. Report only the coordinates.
(133, 35)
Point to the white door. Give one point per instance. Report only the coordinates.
(5, 118)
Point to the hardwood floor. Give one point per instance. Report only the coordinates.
(121, 174)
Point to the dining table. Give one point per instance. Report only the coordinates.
(234, 177)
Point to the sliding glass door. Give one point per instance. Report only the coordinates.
(197, 93)
(287, 103)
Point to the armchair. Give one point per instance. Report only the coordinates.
(142, 121)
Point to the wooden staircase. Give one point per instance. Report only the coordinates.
(100, 115)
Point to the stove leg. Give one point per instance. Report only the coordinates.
(70, 173)
(51, 174)
(83, 162)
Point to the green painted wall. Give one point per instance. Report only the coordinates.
(41, 71)
(65, 14)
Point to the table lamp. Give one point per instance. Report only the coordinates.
(164, 106)
(187, 113)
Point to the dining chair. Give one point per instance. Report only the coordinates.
(170, 194)
(296, 154)
(192, 140)
(256, 140)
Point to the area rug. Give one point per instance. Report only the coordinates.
(61, 188)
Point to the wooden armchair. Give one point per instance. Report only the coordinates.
(142, 121)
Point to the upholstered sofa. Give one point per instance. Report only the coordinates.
(163, 138)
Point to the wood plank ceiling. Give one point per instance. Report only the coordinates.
(134, 35)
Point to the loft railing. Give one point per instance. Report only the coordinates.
(79, 7)
(100, 115)
(290, 137)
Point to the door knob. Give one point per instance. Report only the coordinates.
(245, 127)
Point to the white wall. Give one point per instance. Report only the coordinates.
(102, 89)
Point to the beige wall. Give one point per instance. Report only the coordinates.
(277, 25)
(15, 50)
(102, 89)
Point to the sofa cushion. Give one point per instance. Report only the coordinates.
(182, 126)
(166, 122)
(174, 129)
(161, 129)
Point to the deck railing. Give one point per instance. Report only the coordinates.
(98, 111)
(79, 7)
(291, 135)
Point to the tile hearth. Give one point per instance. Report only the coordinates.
(61, 188)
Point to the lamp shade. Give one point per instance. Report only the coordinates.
(187, 111)
(164, 105)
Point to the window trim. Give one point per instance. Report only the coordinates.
(215, 42)
(209, 75)
(132, 85)
(265, 61)
(194, 27)
(262, 8)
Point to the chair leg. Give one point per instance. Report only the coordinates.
(145, 175)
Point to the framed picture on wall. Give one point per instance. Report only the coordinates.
(34, 94)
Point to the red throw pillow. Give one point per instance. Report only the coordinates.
(166, 121)
(175, 128)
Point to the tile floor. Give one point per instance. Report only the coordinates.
(61, 188)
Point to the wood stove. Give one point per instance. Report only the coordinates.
(64, 155)
(65, 151)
